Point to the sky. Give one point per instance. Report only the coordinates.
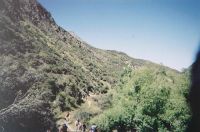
(162, 31)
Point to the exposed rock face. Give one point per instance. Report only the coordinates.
(18, 10)
(45, 69)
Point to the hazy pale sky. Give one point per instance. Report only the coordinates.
(162, 31)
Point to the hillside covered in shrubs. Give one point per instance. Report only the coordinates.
(45, 71)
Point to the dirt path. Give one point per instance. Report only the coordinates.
(89, 105)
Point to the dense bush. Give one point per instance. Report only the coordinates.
(148, 100)
(104, 101)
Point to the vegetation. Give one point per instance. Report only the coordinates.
(46, 71)
(148, 99)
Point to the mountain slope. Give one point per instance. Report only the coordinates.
(41, 61)
(46, 70)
